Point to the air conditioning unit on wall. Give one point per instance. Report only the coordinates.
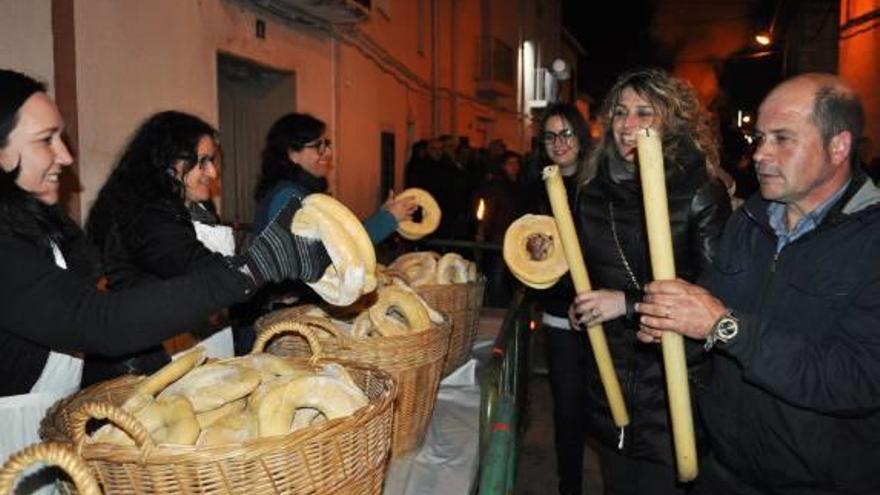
(547, 84)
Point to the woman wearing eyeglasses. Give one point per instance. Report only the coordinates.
(639, 458)
(296, 160)
(564, 141)
(150, 222)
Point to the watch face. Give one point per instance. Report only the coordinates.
(727, 328)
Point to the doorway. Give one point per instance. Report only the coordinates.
(251, 98)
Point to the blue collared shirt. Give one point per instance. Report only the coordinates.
(776, 214)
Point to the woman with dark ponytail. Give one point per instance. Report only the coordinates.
(295, 162)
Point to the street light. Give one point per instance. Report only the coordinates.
(763, 39)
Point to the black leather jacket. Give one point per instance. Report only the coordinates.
(698, 209)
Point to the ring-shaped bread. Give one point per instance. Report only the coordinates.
(543, 271)
(232, 428)
(472, 272)
(452, 269)
(431, 215)
(433, 314)
(398, 311)
(274, 404)
(208, 418)
(213, 385)
(268, 365)
(169, 420)
(170, 373)
(419, 267)
(352, 271)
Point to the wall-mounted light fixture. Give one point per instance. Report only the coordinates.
(763, 39)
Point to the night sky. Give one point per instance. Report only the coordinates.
(616, 37)
(624, 34)
(708, 42)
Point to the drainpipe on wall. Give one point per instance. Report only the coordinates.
(453, 101)
(435, 68)
(334, 109)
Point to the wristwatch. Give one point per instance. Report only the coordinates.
(724, 330)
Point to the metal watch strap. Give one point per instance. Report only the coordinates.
(715, 334)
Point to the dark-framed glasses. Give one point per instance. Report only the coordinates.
(204, 161)
(565, 136)
(320, 145)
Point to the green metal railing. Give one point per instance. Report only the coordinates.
(503, 395)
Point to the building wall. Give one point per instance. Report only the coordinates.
(859, 58)
(26, 38)
(403, 71)
(138, 58)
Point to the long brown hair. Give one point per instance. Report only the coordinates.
(685, 124)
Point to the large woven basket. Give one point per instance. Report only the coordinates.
(461, 303)
(414, 360)
(56, 454)
(342, 456)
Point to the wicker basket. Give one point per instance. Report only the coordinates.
(342, 456)
(415, 360)
(56, 454)
(461, 303)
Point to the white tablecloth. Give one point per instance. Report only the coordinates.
(447, 462)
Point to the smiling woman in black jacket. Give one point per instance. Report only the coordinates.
(639, 459)
(50, 307)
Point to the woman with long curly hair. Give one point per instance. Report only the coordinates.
(638, 459)
(150, 222)
(50, 307)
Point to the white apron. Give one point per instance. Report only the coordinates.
(20, 415)
(219, 239)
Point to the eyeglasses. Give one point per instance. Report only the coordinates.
(566, 136)
(320, 145)
(206, 160)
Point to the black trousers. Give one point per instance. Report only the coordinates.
(715, 479)
(625, 476)
(567, 355)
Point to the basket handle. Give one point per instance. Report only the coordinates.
(274, 329)
(118, 416)
(323, 324)
(53, 453)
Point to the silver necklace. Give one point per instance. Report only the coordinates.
(623, 259)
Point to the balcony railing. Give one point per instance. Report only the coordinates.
(318, 11)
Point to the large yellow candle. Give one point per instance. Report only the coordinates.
(650, 151)
(578, 269)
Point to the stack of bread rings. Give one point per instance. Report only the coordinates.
(229, 401)
(396, 310)
(533, 251)
(430, 212)
(352, 271)
(430, 268)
